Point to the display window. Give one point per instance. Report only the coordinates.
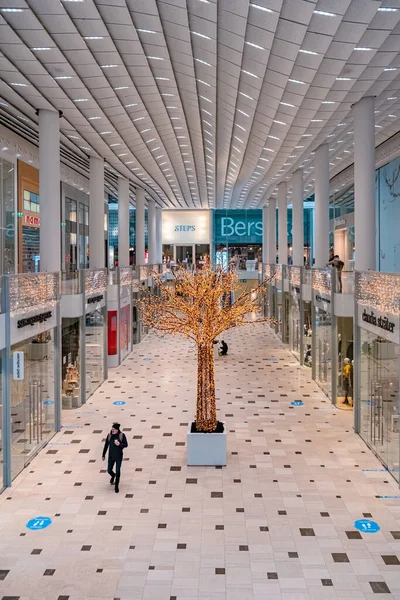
(7, 217)
(28, 219)
(95, 339)
(71, 363)
(377, 360)
(345, 363)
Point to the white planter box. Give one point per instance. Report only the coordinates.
(206, 449)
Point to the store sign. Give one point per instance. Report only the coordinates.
(186, 227)
(95, 302)
(385, 326)
(18, 366)
(31, 324)
(238, 226)
(322, 301)
(32, 221)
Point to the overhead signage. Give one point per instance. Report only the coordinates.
(18, 366)
(31, 324)
(186, 227)
(95, 302)
(41, 318)
(322, 301)
(385, 326)
(238, 226)
(33, 221)
(95, 299)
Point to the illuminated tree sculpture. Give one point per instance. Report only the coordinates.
(199, 307)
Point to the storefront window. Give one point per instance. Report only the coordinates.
(83, 236)
(71, 363)
(7, 217)
(71, 243)
(95, 332)
(345, 362)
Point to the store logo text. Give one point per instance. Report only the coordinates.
(229, 227)
(36, 319)
(381, 322)
(185, 227)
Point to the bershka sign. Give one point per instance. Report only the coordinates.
(386, 326)
(238, 226)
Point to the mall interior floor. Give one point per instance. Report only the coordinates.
(277, 522)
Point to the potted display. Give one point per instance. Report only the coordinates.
(200, 307)
(38, 349)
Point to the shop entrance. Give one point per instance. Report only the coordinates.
(379, 398)
(32, 400)
(183, 254)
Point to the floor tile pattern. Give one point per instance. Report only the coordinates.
(276, 523)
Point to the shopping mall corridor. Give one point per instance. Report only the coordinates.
(277, 522)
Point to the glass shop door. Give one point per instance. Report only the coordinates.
(184, 255)
(379, 399)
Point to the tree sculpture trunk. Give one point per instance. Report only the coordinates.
(206, 414)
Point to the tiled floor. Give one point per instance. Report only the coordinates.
(277, 522)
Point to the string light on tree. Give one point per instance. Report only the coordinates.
(199, 307)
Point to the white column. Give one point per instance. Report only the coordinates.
(139, 250)
(272, 230)
(321, 205)
(50, 182)
(159, 234)
(265, 235)
(282, 224)
(151, 207)
(123, 222)
(364, 185)
(298, 218)
(96, 214)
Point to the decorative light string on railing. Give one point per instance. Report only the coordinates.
(33, 291)
(379, 291)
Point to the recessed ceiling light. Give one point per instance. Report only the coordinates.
(307, 135)
(171, 107)
(390, 69)
(269, 150)
(297, 81)
(251, 74)
(105, 132)
(124, 154)
(343, 79)
(309, 52)
(108, 66)
(392, 98)
(287, 104)
(242, 112)
(129, 105)
(93, 37)
(264, 8)
(114, 145)
(240, 127)
(360, 49)
(82, 100)
(201, 35)
(254, 45)
(246, 95)
(121, 87)
(324, 13)
(138, 119)
(63, 77)
(167, 94)
(393, 116)
(206, 111)
(19, 84)
(203, 62)
(162, 78)
(328, 102)
(273, 137)
(206, 99)
(387, 9)
(154, 57)
(146, 31)
(12, 10)
(316, 120)
(40, 49)
(144, 130)
(279, 122)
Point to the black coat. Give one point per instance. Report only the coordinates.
(115, 452)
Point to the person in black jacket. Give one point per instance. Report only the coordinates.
(223, 350)
(115, 443)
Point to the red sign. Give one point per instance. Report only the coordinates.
(35, 221)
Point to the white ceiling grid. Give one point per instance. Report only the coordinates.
(203, 103)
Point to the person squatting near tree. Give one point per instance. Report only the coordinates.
(115, 443)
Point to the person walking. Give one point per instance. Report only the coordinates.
(115, 443)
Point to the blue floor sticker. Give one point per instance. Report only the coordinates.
(367, 526)
(119, 402)
(147, 359)
(297, 403)
(38, 523)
